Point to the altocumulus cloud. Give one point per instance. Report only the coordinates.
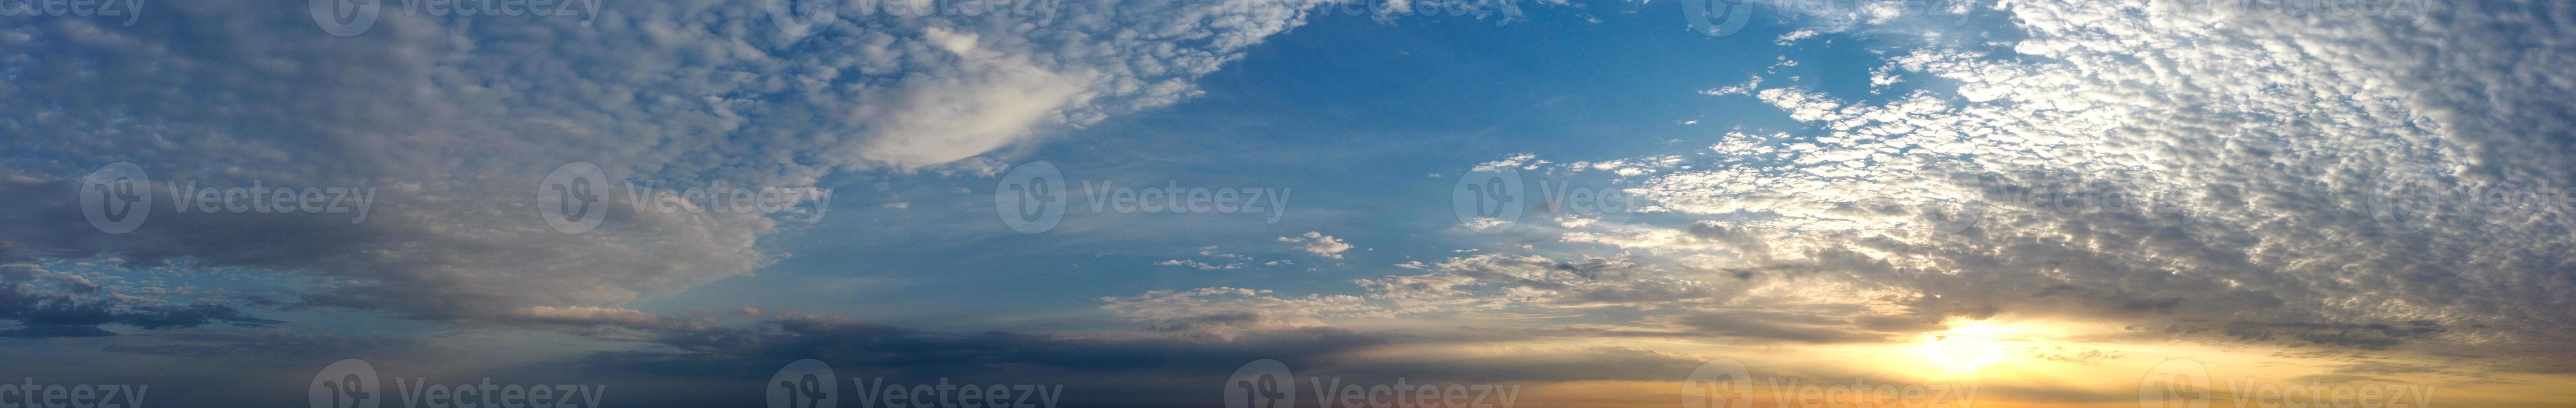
(2259, 136)
(456, 118)
(2250, 148)
(2250, 152)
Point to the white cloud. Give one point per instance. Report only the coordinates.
(1200, 265)
(455, 122)
(1319, 244)
(2248, 145)
(1223, 313)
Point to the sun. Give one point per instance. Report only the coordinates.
(1965, 347)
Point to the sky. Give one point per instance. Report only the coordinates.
(1287, 203)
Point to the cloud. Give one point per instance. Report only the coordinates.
(1146, 364)
(1319, 244)
(2213, 170)
(47, 304)
(1227, 313)
(1777, 325)
(1200, 265)
(2207, 173)
(1492, 280)
(309, 348)
(453, 120)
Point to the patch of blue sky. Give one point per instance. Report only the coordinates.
(1327, 111)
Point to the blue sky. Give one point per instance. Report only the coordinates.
(1330, 113)
(2057, 203)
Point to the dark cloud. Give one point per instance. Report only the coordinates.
(2371, 336)
(70, 311)
(1772, 325)
(1527, 365)
(403, 109)
(721, 351)
(278, 348)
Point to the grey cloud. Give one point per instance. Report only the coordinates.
(2365, 336)
(298, 348)
(1224, 313)
(1536, 365)
(455, 119)
(760, 348)
(2248, 151)
(1537, 279)
(74, 311)
(1770, 325)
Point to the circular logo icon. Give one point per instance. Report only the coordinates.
(1717, 18)
(1489, 201)
(784, 14)
(806, 383)
(2406, 196)
(344, 18)
(1721, 383)
(1031, 197)
(1263, 383)
(1953, 220)
(2178, 383)
(349, 383)
(116, 198)
(574, 198)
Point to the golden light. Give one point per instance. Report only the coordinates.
(1965, 347)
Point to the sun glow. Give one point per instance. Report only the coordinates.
(1966, 346)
